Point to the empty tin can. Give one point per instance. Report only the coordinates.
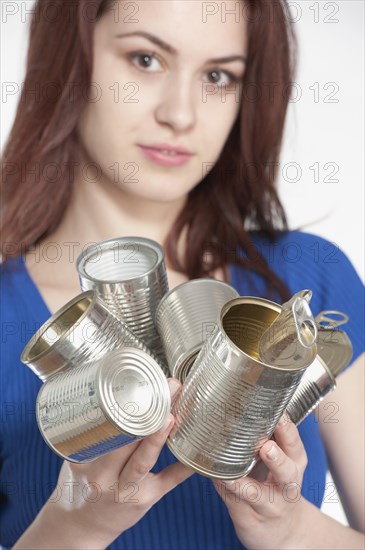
(129, 275)
(185, 318)
(82, 330)
(334, 354)
(102, 405)
(231, 401)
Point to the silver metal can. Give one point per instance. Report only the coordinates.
(231, 401)
(99, 406)
(82, 330)
(129, 275)
(334, 354)
(185, 318)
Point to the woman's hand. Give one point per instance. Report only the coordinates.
(266, 513)
(93, 503)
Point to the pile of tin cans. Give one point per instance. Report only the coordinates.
(105, 357)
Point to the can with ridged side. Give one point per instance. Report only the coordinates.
(334, 354)
(186, 317)
(231, 401)
(82, 330)
(129, 275)
(102, 405)
(315, 384)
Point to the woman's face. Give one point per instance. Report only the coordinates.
(163, 90)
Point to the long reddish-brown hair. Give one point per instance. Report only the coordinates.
(238, 192)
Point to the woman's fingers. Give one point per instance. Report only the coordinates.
(170, 477)
(283, 469)
(264, 498)
(245, 495)
(285, 459)
(244, 489)
(110, 465)
(148, 450)
(175, 387)
(287, 437)
(146, 455)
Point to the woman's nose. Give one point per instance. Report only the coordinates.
(176, 106)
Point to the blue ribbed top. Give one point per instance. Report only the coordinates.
(192, 516)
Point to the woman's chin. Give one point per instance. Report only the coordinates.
(159, 192)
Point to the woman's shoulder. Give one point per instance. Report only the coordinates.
(308, 261)
(20, 301)
(294, 246)
(298, 254)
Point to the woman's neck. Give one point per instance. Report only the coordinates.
(97, 212)
(101, 211)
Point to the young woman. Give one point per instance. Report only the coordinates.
(154, 119)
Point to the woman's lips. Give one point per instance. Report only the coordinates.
(165, 159)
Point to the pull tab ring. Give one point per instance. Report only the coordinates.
(323, 317)
(303, 318)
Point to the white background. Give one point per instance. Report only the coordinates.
(325, 124)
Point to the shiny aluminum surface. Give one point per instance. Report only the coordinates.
(231, 401)
(129, 274)
(334, 346)
(334, 354)
(82, 330)
(316, 382)
(102, 405)
(288, 337)
(185, 318)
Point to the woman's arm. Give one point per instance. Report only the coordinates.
(341, 416)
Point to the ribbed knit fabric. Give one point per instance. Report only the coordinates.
(193, 516)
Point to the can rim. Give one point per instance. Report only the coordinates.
(347, 352)
(203, 471)
(187, 357)
(261, 302)
(206, 280)
(25, 355)
(85, 256)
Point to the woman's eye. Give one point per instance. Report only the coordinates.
(150, 63)
(229, 78)
(144, 61)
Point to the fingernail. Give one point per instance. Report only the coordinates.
(272, 453)
(174, 386)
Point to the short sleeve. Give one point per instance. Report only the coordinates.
(343, 290)
(307, 261)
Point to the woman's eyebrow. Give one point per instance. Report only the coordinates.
(173, 51)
